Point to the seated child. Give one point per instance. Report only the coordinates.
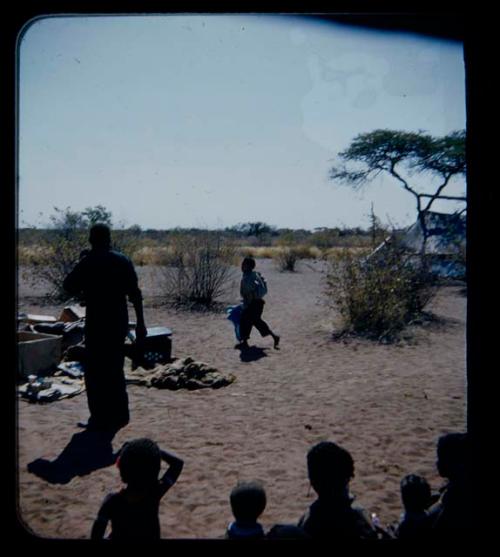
(417, 498)
(133, 511)
(248, 501)
(331, 516)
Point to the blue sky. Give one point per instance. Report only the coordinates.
(212, 120)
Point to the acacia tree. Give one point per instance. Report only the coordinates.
(402, 154)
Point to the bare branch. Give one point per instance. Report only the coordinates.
(447, 197)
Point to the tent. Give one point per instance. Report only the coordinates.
(445, 246)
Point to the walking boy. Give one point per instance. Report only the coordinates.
(252, 289)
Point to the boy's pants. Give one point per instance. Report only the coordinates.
(251, 316)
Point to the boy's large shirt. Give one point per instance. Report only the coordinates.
(251, 287)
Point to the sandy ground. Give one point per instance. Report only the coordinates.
(386, 404)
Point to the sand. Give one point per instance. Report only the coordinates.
(386, 404)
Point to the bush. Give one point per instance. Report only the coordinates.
(198, 270)
(127, 241)
(59, 250)
(378, 296)
(150, 255)
(258, 252)
(286, 258)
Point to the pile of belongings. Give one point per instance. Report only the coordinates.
(182, 373)
(70, 325)
(66, 378)
(67, 381)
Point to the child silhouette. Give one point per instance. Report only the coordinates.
(133, 511)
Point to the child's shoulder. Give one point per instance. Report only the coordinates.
(113, 496)
(109, 503)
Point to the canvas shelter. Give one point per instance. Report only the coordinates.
(446, 242)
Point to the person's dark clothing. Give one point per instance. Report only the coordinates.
(105, 384)
(104, 279)
(451, 516)
(286, 532)
(336, 518)
(251, 316)
(238, 531)
(414, 526)
(133, 517)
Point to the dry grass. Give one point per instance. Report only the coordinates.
(159, 255)
(152, 255)
(273, 252)
(32, 255)
(332, 253)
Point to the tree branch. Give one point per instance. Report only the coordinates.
(438, 191)
(447, 197)
(393, 172)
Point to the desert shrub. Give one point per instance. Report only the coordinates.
(58, 251)
(260, 252)
(378, 296)
(31, 255)
(286, 258)
(307, 252)
(300, 251)
(151, 255)
(332, 254)
(127, 240)
(197, 270)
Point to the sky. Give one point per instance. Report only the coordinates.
(213, 120)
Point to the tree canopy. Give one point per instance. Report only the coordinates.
(402, 154)
(394, 151)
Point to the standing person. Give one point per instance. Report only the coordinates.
(332, 516)
(252, 289)
(104, 278)
(134, 511)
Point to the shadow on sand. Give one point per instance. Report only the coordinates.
(87, 451)
(252, 353)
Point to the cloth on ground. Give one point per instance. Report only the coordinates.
(185, 373)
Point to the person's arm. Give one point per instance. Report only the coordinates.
(73, 281)
(140, 327)
(98, 529)
(101, 522)
(135, 297)
(173, 471)
(242, 290)
(247, 288)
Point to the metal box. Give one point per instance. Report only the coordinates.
(157, 347)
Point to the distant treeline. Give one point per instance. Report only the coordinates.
(250, 234)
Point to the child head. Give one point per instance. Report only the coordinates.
(248, 501)
(451, 455)
(139, 462)
(330, 467)
(248, 264)
(415, 493)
